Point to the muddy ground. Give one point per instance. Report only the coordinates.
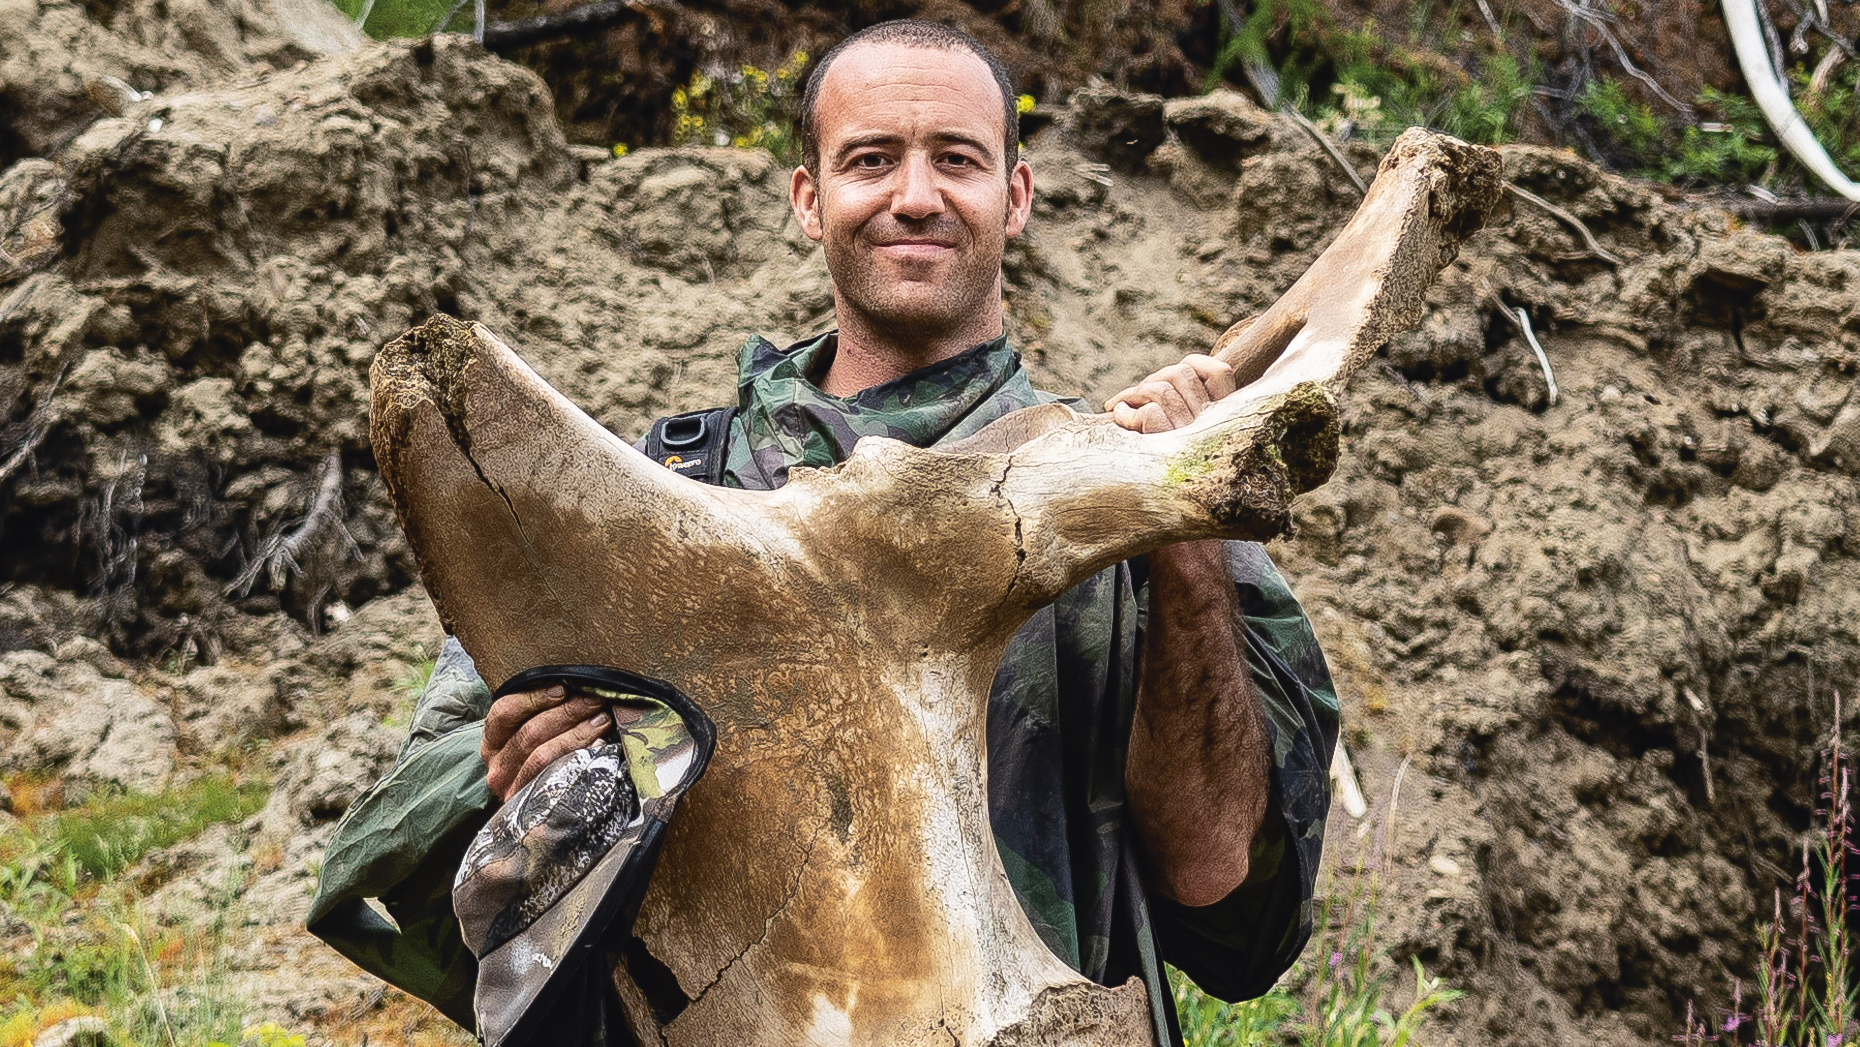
(1603, 635)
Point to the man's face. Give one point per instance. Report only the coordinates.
(913, 203)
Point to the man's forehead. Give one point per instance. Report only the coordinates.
(878, 82)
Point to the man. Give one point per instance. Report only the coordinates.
(1158, 739)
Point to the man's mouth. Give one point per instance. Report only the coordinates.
(915, 250)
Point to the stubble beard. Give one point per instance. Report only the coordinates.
(913, 312)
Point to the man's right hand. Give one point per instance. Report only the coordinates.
(1172, 397)
(529, 730)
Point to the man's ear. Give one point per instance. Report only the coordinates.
(804, 199)
(1020, 197)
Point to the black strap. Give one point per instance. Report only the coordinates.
(692, 444)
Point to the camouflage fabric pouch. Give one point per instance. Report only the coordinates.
(557, 875)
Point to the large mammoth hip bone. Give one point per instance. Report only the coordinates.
(832, 878)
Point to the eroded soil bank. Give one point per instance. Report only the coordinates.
(1604, 634)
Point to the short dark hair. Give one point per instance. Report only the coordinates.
(909, 32)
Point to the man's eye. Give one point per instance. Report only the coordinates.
(869, 160)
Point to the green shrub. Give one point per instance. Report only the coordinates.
(1377, 81)
(1834, 113)
(1300, 30)
(1357, 78)
(1485, 110)
(748, 108)
(1631, 128)
(388, 19)
(1342, 994)
(1208, 1022)
(1732, 150)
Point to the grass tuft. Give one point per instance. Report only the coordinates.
(1806, 994)
(89, 948)
(1343, 993)
(110, 833)
(412, 680)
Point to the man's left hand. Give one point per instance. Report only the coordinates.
(1197, 771)
(1172, 397)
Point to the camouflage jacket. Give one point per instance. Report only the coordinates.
(1058, 728)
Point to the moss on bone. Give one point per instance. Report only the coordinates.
(1300, 436)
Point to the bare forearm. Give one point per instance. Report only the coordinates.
(1197, 771)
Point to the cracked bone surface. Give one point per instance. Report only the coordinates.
(832, 878)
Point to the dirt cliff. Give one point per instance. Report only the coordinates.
(1603, 634)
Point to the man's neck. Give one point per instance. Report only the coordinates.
(867, 357)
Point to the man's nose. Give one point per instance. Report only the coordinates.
(916, 194)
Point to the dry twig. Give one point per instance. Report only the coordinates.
(277, 554)
(1522, 321)
(502, 36)
(1823, 76)
(1785, 210)
(1491, 22)
(1771, 38)
(1570, 220)
(1599, 20)
(1329, 147)
(1698, 707)
(1388, 823)
(38, 424)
